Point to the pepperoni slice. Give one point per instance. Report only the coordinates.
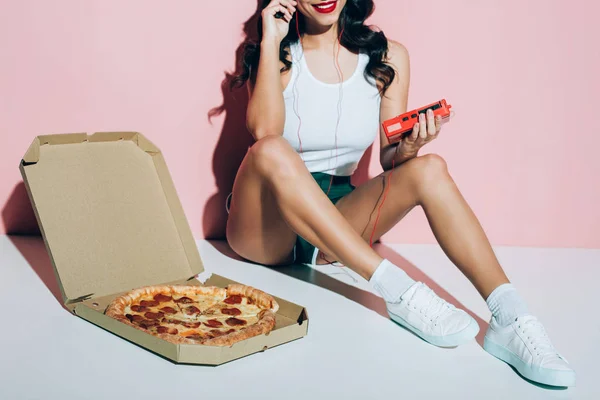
(231, 311)
(172, 321)
(153, 315)
(162, 329)
(162, 298)
(137, 308)
(191, 324)
(148, 324)
(235, 321)
(217, 333)
(183, 300)
(191, 310)
(149, 303)
(165, 329)
(168, 310)
(213, 323)
(234, 299)
(134, 318)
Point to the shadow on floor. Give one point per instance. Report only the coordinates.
(418, 275)
(363, 297)
(34, 251)
(17, 213)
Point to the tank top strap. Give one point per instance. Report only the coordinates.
(363, 60)
(296, 52)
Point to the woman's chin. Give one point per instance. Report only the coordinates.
(325, 21)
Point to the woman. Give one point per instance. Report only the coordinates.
(316, 102)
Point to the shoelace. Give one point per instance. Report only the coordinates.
(535, 333)
(434, 306)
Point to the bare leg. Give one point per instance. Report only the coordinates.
(275, 196)
(425, 181)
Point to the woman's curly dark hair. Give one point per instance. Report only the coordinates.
(356, 37)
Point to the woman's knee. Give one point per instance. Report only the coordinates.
(429, 168)
(432, 164)
(274, 155)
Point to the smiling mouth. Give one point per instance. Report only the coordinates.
(325, 7)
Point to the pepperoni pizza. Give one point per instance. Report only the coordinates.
(196, 314)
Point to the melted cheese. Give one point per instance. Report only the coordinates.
(214, 304)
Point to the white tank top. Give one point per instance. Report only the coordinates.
(316, 103)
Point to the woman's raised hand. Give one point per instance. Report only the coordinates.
(275, 29)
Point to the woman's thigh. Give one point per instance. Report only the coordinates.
(255, 228)
(361, 206)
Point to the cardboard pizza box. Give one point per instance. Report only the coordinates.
(112, 221)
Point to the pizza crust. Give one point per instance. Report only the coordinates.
(260, 298)
(265, 324)
(266, 317)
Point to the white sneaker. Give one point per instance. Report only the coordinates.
(525, 345)
(432, 318)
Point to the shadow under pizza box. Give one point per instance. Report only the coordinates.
(112, 221)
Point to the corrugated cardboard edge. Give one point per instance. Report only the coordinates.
(33, 153)
(32, 156)
(183, 227)
(190, 354)
(203, 355)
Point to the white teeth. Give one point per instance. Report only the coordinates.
(325, 6)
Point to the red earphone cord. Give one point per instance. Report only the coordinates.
(386, 189)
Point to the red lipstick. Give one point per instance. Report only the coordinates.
(325, 7)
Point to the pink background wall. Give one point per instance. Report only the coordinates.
(520, 74)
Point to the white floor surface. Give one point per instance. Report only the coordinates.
(351, 351)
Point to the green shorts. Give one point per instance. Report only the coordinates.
(304, 252)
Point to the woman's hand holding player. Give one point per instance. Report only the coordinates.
(427, 129)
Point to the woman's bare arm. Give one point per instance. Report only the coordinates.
(395, 101)
(266, 110)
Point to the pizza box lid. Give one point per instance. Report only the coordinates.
(108, 212)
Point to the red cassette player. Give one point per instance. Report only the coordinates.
(401, 126)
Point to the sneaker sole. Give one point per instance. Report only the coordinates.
(456, 339)
(546, 376)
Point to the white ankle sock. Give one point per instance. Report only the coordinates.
(390, 281)
(506, 304)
